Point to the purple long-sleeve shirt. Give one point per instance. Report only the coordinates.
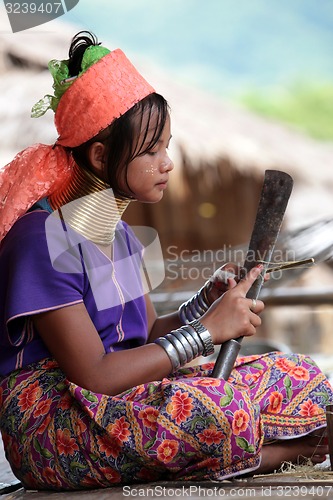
(40, 270)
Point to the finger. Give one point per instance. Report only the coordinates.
(253, 305)
(221, 276)
(255, 320)
(256, 305)
(231, 283)
(232, 268)
(245, 284)
(250, 330)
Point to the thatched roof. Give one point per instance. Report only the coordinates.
(207, 132)
(211, 131)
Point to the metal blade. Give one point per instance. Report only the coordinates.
(273, 202)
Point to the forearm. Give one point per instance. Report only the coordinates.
(160, 326)
(119, 371)
(73, 341)
(163, 325)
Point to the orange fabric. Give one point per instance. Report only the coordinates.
(34, 173)
(103, 93)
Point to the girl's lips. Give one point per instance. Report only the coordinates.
(162, 185)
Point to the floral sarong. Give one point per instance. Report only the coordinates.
(188, 427)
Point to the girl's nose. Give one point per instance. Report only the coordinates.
(167, 165)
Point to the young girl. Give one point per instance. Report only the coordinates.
(92, 387)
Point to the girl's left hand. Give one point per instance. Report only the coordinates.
(217, 284)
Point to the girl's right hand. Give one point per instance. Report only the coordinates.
(233, 315)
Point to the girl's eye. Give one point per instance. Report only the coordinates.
(152, 153)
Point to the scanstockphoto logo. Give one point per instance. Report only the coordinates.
(24, 15)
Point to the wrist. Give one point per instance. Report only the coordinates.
(207, 292)
(204, 336)
(195, 307)
(186, 343)
(208, 326)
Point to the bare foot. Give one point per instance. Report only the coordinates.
(296, 451)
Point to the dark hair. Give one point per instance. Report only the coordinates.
(121, 137)
(80, 42)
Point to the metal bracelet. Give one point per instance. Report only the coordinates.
(187, 346)
(197, 338)
(187, 312)
(179, 348)
(171, 352)
(182, 314)
(195, 307)
(186, 331)
(204, 336)
(202, 297)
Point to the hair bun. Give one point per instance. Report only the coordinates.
(80, 42)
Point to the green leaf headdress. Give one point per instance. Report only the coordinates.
(62, 79)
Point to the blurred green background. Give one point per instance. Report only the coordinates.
(273, 56)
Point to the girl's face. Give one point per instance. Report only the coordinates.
(148, 173)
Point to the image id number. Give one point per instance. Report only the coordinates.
(304, 491)
(33, 8)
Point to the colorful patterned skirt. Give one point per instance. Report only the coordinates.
(187, 427)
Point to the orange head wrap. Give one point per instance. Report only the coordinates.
(108, 89)
(104, 92)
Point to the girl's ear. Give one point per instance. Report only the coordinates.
(96, 153)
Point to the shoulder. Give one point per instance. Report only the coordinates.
(32, 278)
(37, 241)
(28, 230)
(31, 221)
